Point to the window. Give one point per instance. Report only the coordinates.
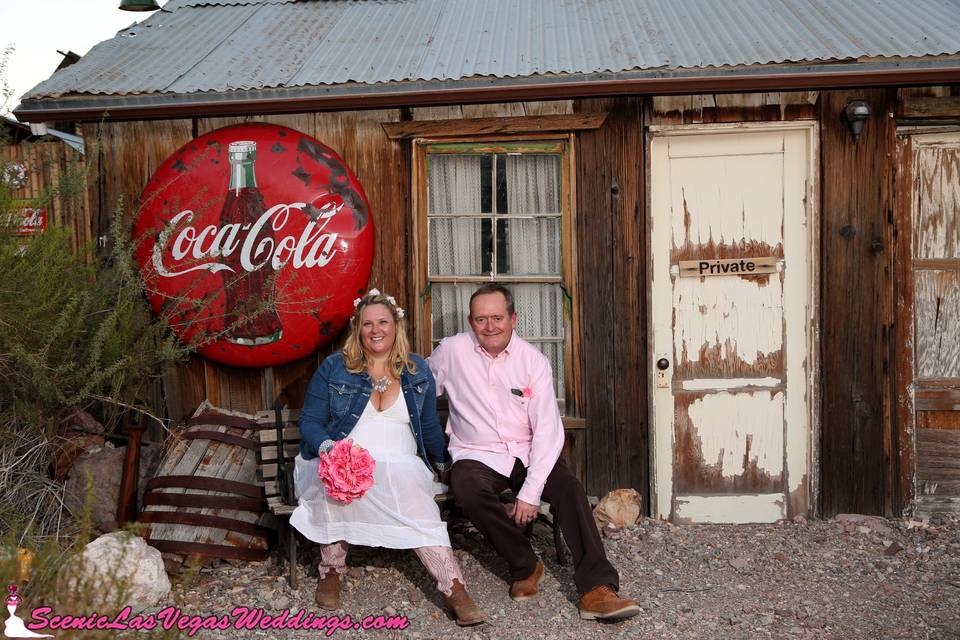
(498, 211)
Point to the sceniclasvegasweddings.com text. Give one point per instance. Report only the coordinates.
(246, 618)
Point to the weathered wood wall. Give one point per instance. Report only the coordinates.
(856, 422)
(856, 305)
(55, 174)
(612, 277)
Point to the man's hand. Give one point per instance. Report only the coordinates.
(523, 513)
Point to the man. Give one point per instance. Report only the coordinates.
(505, 431)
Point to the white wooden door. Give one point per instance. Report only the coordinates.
(732, 357)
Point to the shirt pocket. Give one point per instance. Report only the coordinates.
(518, 406)
(341, 398)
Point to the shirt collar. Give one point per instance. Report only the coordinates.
(479, 349)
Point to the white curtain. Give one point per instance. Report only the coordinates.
(455, 247)
(453, 185)
(533, 246)
(533, 187)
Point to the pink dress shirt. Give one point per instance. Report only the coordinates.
(489, 422)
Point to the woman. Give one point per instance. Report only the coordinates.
(356, 393)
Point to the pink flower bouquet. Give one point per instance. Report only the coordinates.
(346, 471)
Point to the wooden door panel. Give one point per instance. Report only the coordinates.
(728, 442)
(714, 221)
(936, 230)
(728, 328)
(937, 310)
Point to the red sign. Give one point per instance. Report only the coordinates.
(257, 237)
(27, 221)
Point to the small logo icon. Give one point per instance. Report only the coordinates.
(14, 627)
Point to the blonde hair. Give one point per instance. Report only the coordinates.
(354, 358)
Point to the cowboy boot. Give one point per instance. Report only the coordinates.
(464, 609)
(328, 591)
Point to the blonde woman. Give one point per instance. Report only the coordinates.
(383, 397)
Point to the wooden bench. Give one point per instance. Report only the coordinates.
(278, 448)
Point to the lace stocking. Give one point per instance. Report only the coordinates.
(442, 565)
(333, 556)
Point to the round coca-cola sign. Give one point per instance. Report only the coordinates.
(254, 241)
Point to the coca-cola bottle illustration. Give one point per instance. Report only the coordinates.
(246, 320)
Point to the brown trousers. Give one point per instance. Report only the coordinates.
(477, 489)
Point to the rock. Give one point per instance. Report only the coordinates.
(94, 483)
(864, 524)
(97, 474)
(611, 532)
(894, 548)
(115, 570)
(740, 563)
(389, 611)
(78, 432)
(620, 507)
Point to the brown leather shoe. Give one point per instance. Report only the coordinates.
(328, 591)
(465, 611)
(527, 588)
(603, 603)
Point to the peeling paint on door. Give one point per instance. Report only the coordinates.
(730, 328)
(732, 426)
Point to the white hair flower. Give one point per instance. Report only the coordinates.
(373, 292)
(356, 303)
(399, 312)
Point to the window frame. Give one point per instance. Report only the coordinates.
(491, 144)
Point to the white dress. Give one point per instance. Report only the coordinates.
(397, 512)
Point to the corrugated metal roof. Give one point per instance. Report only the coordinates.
(224, 45)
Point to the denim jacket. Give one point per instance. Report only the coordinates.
(336, 398)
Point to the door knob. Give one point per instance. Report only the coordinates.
(663, 364)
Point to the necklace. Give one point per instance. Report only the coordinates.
(380, 384)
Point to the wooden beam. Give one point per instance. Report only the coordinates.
(486, 126)
(931, 107)
(938, 400)
(903, 328)
(942, 264)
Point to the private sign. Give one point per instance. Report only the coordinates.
(728, 267)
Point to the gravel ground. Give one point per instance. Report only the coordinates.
(852, 577)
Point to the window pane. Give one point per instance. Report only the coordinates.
(533, 184)
(532, 245)
(554, 353)
(449, 306)
(539, 310)
(453, 184)
(457, 246)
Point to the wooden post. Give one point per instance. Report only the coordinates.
(127, 502)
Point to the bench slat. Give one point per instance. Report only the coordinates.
(269, 436)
